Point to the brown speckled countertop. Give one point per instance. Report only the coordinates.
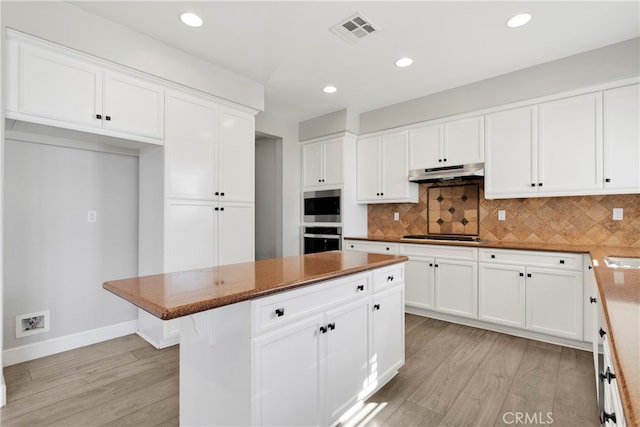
(172, 295)
(619, 291)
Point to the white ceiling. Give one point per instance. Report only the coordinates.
(287, 45)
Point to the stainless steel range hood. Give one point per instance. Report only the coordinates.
(445, 173)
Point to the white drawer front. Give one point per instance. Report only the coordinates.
(557, 260)
(286, 307)
(387, 277)
(440, 251)
(373, 247)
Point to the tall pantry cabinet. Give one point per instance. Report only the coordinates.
(196, 195)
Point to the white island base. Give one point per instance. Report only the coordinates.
(299, 357)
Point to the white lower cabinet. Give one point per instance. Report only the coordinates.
(318, 350)
(419, 289)
(456, 289)
(501, 290)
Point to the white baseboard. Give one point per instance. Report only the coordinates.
(67, 342)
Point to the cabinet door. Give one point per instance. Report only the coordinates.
(387, 343)
(368, 169)
(54, 86)
(287, 375)
(190, 147)
(418, 282)
(501, 294)
(425, 147)
(236, 233)
(190, 236)
(622, 139)
(395, 166)
(570, 145)
(312, 164)
(464, 141)
(236, 163)
(510, 154)
(133, 106)
(554, 302)
(332, 162)
(347, 356)
(456, 290)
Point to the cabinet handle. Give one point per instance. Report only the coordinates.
(528, 274)
(561, 261)
(521, 274)
(279, 312)
(377, 194)
(539, 184)
(222, 194)
(216, 209)
(351, 246)
(331, 326)
(533, 184)
(445, 160)
(608, 375)
(376, 306)
(440, 160)
(493, 256)
(593, 300)
(387, 248)
(390, 278)
(319, 180)
(99, 116)
(607, 180)
(430, 264)
(602, 333)
(221, 209)
(360, 288)
(323, 329)
(436, 266)
(605, 416)
(590, 267)
(107, 118)
(382, 194)
(217, 193)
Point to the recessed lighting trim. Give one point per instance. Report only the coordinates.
(191, 19)
(329, 89)
(519, 20)
(404, 62)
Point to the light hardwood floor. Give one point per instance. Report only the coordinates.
(454, 376)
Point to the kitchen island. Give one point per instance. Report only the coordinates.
(288, 341)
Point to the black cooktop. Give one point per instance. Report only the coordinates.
(448, 237)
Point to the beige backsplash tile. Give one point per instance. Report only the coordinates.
(574, 220)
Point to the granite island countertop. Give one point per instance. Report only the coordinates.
(619, 291)
(171, 295)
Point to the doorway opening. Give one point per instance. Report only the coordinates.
(268, 187)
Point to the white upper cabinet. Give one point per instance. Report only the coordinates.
(322, 163)
(622, 139)
(570, 145)
(550, 149)
(455, 143)
(382, 171)
(55, 86)
(236, 162)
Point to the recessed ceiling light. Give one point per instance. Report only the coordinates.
(519, 20)
(404, 62)
(191, 19)
(329, 89)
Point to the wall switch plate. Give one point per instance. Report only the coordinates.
(618, 214)
(502, 215)
(91, 216)
(396, 216)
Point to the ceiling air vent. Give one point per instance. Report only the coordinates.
(354, 28)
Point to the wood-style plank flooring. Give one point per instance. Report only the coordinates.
(454, 376)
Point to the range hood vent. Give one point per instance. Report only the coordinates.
(354, 28)
(446, 173)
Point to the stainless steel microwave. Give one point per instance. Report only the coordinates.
(322, 206)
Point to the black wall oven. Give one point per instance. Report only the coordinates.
(322, 206)
(322, 239)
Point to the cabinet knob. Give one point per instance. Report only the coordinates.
(533, 184)
(216, 209)
(440, 160)
(323, 329)
(539, 184)
(430, 264)
(390, 278)
(360, 288)
(107, 118)
(436, 266)
(98, 116)
(605, 416)
(445, 160)
(221, 209)
(279, 312)
(387, 248)
(521, 274)
(528, 274)
(382, 194)
(590, 268)
(593, 300)
(217, 193)
(376, 306)
(493, 256)
(377, 194)
(561, 261)
(351, 246)
(608, 376)
(331, 326)
(607, 180)
(319, 180)
(222, 194)
(601, 332)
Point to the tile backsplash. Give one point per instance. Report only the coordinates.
(572, 220)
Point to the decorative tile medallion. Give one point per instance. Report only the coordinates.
(456, 207)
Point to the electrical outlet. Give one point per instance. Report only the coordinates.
(91, 216)
(618, 214)
(502, 215)
(396, 216)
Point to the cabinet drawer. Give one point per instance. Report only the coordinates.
(387, 277)
(286, 307)
(373, 247)
(440, 251)
(556, 260)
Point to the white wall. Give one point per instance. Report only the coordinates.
(3, 387)
(54, 258)
(609, 63)
(268, 198)
(291, 203)
(340, 121)
(68, 25)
